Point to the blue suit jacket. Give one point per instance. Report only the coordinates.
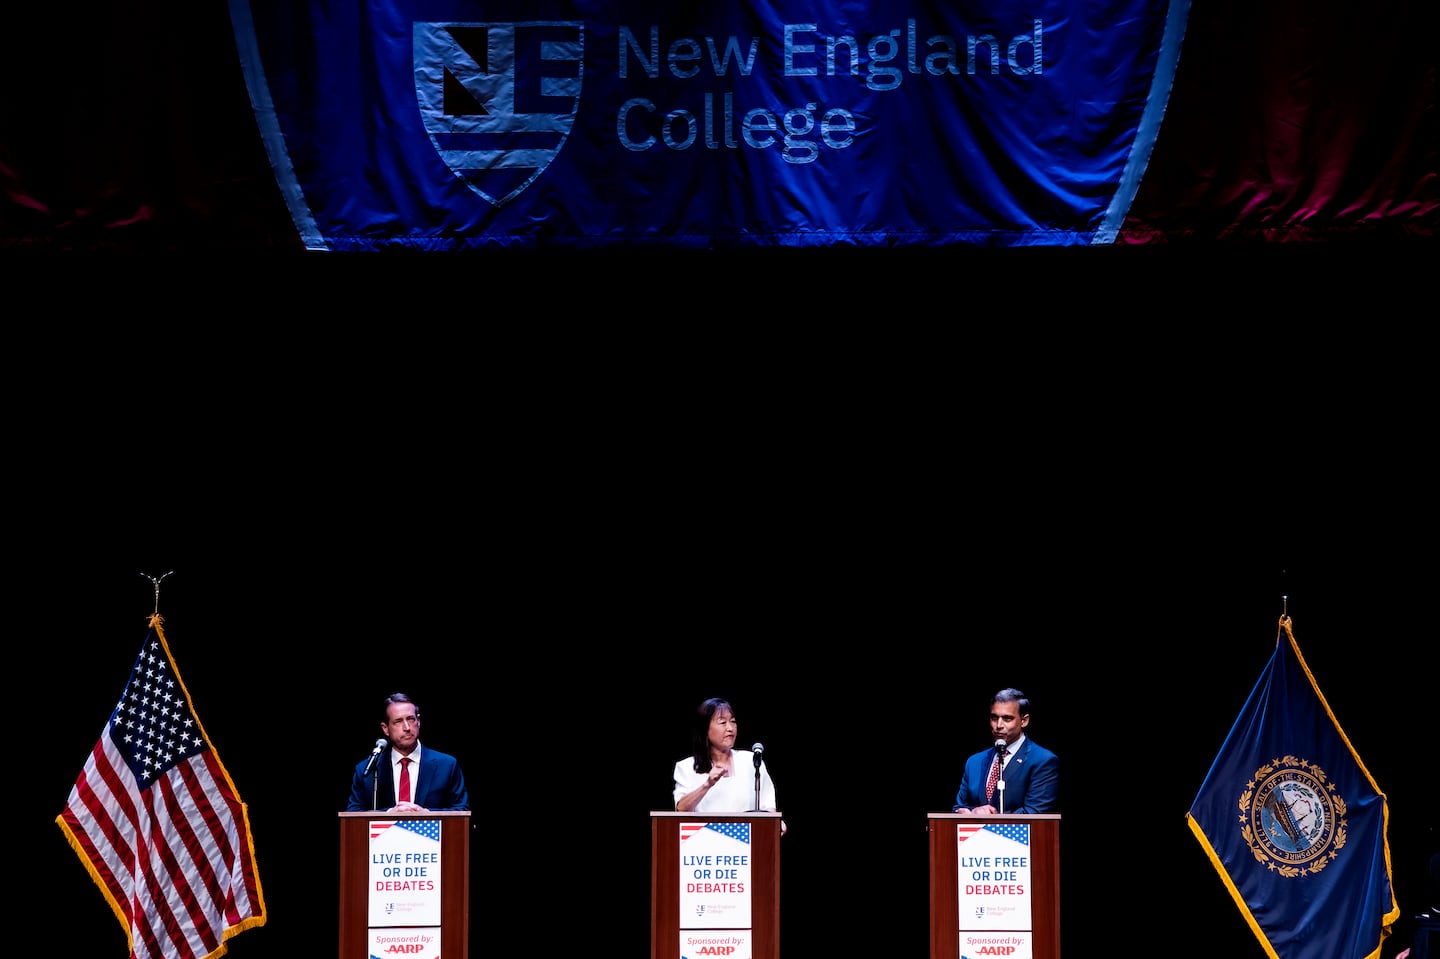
(440, 784)
(1032, 780)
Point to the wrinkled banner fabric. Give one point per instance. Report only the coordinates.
(453, 125)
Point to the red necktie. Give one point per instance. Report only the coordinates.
(405, 779)
(994, 775)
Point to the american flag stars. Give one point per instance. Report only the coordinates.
(1016, 832)
(429, 828)
(152, 725)
(734, 830)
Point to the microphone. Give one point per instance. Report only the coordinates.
(759, 751)
(1000, 783)
(375, 755)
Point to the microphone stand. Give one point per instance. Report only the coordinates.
(375, 789)
(1000, 750)
(755, 754)
(374, 766)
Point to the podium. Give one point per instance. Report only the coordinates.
(665, 880)
(947, 925)
(453, 879)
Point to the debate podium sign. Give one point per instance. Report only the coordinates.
(405, 885)
(994, 886)
(714, 885)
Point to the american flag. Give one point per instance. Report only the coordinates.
(1016, 832)
(735, 830)
(157, 821)
(429, 828)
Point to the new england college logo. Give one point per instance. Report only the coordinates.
(498, 99)
(1292, 818)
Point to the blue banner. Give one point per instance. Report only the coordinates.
(459, 125)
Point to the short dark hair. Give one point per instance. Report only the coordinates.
(391, 700)
(1009, 695)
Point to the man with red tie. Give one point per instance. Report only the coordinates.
(403, 776)
(1014, 776)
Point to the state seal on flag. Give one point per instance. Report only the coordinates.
(1292, 817)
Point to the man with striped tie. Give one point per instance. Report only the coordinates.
(1016, 775)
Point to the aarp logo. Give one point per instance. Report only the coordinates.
(499, 99)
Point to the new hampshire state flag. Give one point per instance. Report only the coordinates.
(1294, 824)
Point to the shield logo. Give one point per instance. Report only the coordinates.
(498, 100)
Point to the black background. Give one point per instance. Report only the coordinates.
(559, 601)
(560, 499)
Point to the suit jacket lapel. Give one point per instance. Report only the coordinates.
(1015, 761)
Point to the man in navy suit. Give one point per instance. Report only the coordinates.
(432, 779)
(1029, 776)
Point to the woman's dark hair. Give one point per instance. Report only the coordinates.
(700, 732)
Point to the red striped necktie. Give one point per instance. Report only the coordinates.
(994, 774)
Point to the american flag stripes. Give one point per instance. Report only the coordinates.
(157, 821)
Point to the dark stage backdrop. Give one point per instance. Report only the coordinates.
(1293, 121)
(558, 643)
